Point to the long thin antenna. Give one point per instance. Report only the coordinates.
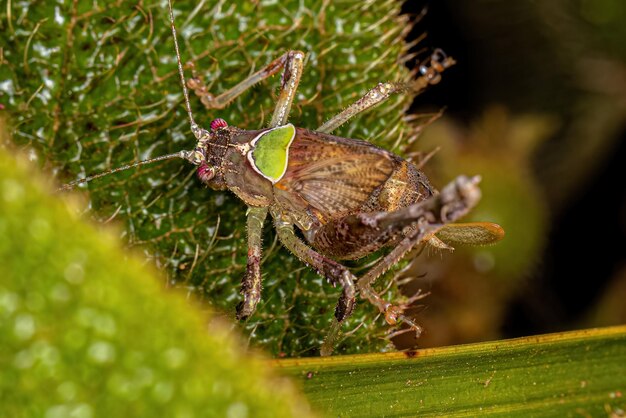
(194, 126)
(195, 129)
(72, 184)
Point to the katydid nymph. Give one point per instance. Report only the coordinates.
(330, 198)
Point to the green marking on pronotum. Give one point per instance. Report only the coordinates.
(270, 152)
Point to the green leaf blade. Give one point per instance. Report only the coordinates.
(581, 373)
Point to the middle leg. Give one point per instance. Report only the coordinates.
(251, 282)
(330, 269)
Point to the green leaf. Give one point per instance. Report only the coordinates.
(580, 373)
(90, 87)
(87, 330)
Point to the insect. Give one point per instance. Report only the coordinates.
(330, 198)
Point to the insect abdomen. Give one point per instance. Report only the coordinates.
(407, 185)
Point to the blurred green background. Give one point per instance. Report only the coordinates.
(536, 105)
(86, 329)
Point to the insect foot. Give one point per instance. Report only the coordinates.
(250, 287)
(251, 296)
(197, 85)
(347, 301)
(393, 314)
(437, 63)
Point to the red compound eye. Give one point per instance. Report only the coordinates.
(205, 173)
(218, 123)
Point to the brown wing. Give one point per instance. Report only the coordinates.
(334, 176)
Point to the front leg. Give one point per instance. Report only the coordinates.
(294, 66)
(330, 269)
(251, 282)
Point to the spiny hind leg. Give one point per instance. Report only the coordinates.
(357, 235)
(291, 62)
(330, 269)
(453, 202)
(425, 219)
(393, 313)
(251, 282)
(430, 73)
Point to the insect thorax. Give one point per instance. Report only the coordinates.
(269, 152)
(226, 156)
